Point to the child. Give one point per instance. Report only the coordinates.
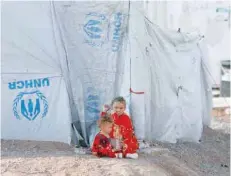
(102, 146)
(122, 128)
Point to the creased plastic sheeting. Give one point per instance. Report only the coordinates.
(35, 103)
(175, 78)
(27, 38)
(168, 68)
(175, 86)
(206, 83)
(138, 66)
(93, 37)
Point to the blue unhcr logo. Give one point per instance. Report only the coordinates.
(95, 28)
(35, 83)
(28, 104)
(99, 30)
(92, 104)
(117, 32)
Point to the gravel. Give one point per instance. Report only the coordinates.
(210, 157)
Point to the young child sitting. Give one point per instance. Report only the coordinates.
(102, 144)
(122, 129)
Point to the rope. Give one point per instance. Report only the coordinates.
(131, 91)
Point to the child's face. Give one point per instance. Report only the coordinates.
(106, 128)
(118, 108)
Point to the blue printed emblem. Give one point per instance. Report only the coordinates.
(92, 104)
(30, 105)
(92, 29)
(95, 29)
(100, 30)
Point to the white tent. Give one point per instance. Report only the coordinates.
(61, 61)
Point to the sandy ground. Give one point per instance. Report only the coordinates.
(211, 157)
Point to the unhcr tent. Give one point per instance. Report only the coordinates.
(61, 61)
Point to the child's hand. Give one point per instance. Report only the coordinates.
(94, 153)
(106, 108)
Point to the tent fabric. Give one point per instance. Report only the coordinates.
(94, 43)
(35, 103)
(172, 69)
(63, 60)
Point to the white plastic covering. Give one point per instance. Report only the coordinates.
(172, 69)
(35, 103)
(86, 53)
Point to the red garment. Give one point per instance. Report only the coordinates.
(102, 146)
(123, 130)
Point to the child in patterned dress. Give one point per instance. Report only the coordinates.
(102, 144)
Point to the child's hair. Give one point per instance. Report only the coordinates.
(119, 99)
(105, 119)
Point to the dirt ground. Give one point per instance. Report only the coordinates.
(211, 157)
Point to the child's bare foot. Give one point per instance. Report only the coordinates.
(132, 155)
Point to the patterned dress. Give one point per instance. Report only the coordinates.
(102, 146)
